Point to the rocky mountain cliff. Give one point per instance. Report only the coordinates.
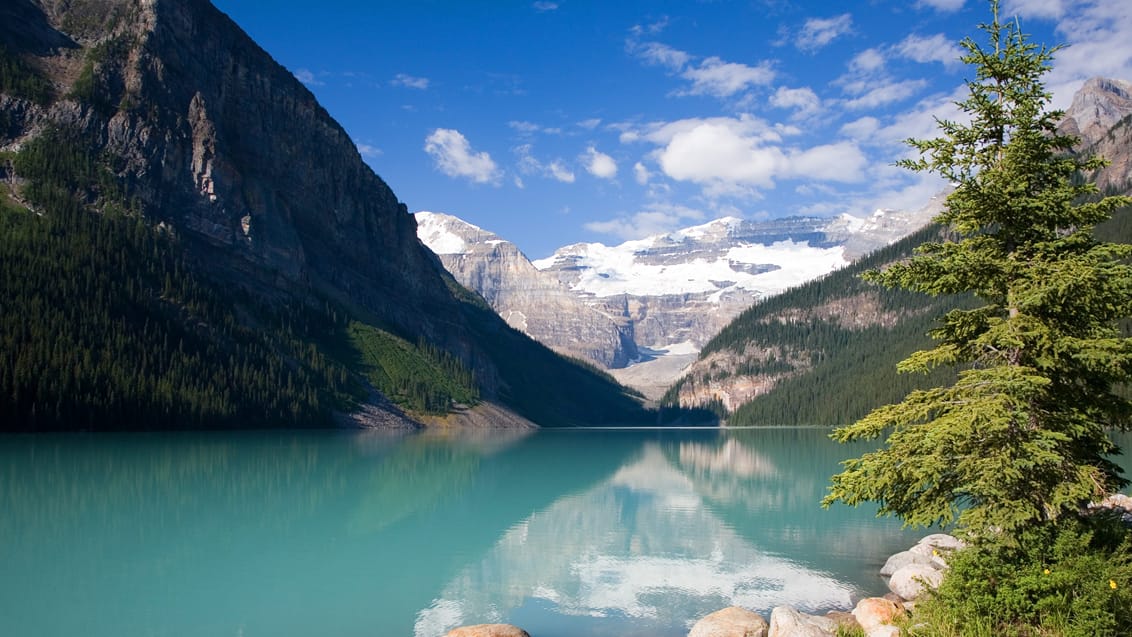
(172, 116)
(644, 308)
(529, 300)
(1101, 115)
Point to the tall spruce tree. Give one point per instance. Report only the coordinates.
(1020, 439)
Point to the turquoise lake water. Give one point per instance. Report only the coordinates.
(565, 533)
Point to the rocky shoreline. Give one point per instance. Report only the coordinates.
(907, 573)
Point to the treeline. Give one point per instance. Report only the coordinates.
(828, 370)
(421, 378)
(18, 78)
(103, 326)
(838, 374)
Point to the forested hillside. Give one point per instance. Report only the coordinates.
(170, 260)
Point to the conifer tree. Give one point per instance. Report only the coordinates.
(1020, 439)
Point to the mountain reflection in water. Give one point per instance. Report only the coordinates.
(368, 534)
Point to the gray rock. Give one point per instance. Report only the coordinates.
(787, 622)
(730, 622)
(909, 581)
(902, 559)
(943, 541)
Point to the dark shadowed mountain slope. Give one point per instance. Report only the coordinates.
(190, 240)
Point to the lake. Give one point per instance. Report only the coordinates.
(564, 533)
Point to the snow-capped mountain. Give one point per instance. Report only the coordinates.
(666, 294)
(529, 300)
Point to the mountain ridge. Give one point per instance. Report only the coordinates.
(626, 307)
(176, 127)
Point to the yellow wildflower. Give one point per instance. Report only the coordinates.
(1046, 571)
(1112, 584)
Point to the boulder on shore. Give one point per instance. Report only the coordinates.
(872, 612)
(910, 581)
(787, 622)
(488, 630)
(730, 622)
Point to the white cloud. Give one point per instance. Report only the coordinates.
(454, 157)
(307, 77)
(640, 173)
(543, 6)
(655, 219)
(711, 76)
(559, 171)
(933, 48)
(803, 101)
(729, 156)
(529, 165)
(943, 6)
(861, 129)
(659, 54)
(818, 32)
(869, 85)
(886, 93)
(589, 124)
(368, 150)
(1048, 9)
(408, 81)
(723, 79)
(599, 164)
(524, 128)
(1099, 45)
(867, 61)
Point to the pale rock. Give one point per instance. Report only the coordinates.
(488, 630)
(872, 612)
(730, 622)
(942, 541)
(909, 581)
(896, 561)
(883, 630)
(788, 622)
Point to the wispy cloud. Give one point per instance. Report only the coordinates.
(803, 101)
(818, 32)
(526, 129)
(529, 165)
(868, 84)
(711, 76)
(306, 76)
(932, 48)
(717, 78)
(599, 164)
(368, 150)
(943, 6)
(543, 6)
(454, 157)
(656, 218)
(409, 81)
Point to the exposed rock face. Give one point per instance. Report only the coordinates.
(1098, 105)
(226, 147)
(663, 295)
(1101, 115)
(529, 300)
(788, 622)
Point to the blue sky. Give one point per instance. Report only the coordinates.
(555, 122)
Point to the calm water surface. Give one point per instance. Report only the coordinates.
(564, 533)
